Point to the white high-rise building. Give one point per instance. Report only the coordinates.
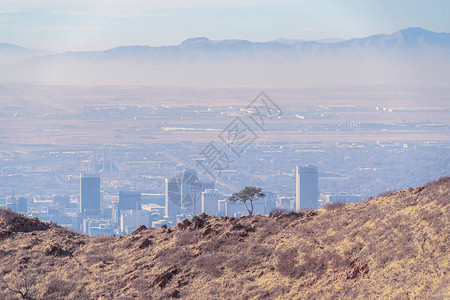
(182, 194)
(307, 187)
(210, 202)
(132, 219)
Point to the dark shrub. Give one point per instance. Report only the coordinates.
(276, 212)
(335, 206)
(58, 288)
(186, 237)
(387, 193)
(209, 263)
(287, 263)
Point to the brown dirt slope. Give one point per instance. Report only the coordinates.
(393, 247)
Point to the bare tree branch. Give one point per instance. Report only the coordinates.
(25, 290)
(250, 194)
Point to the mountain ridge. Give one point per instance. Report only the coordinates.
(393, 246)
(409, 37)
(409, 57)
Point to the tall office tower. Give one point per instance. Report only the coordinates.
(22, 205)
(210, 202)
(171, 209)
(108, 158)
(307, 187)
(129, 200)
(269, 202)
(90, 195)
(183, 194)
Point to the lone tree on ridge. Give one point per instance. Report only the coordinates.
(249, 194)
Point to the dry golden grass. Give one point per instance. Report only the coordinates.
(392, 247)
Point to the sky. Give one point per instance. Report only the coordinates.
(60, 25)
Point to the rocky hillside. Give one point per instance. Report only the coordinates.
(393, 247)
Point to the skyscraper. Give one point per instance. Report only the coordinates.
(22, 205)
(171, 207)
(307, 187)
(129, 200)
(210, 202)
(269, 202)
(183, 193)
(90, 195)
(132, 219)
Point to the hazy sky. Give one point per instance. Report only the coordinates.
(61, 25)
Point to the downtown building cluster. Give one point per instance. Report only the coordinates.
(185, 196)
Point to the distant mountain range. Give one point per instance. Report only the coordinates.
(11, 53)
(13, 49)
(296, 41)
(410, 39)
(240, 61)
